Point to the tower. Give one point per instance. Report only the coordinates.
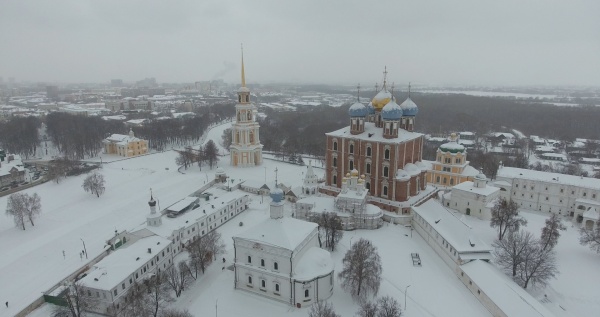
(311, 181)
(276, 208)
(245, 148)
(153, 219)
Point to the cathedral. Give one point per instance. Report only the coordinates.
(380, 145)
(245, 148)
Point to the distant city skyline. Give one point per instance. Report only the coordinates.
(465, 42)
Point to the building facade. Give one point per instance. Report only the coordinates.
(474, 198)
(245, 149)
(450, 166)
(381, 145)
(280, 259)
(125, 145)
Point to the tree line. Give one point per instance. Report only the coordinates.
(20, 135)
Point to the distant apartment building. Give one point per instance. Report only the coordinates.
(125, 145)
(129, 104)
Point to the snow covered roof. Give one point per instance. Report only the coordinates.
(6, 166)
(591, 213)
(182, 204)
(470, 171)
(452, 147)
(409, 107)
(315, 262)
(121, 138)
(117, 266)
(286, 233)
(512, 299)
(357, 110)
(469, 187)
(457, 233)
(376, 134)
(520, 173)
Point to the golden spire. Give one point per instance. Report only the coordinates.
(243, 75)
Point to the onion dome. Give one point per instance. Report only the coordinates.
(370, 108)
(391, 111)
(381, 99)
(481, 176)
(452, 146)
(409, 108)
(357, 110)
(152, 202)
(354, 173)
(277, 195)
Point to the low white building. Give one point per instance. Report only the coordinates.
(11, 169)
(474, 198)
(280, 259)
(550, 192)
(448, 236)
(110, 279)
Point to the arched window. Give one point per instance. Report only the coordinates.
(249, 259)
(368, 168)
(437, 179)
(385, 190)
(368, 186)
(275, 266)
(351, 164)
(262, 262)
(335, 162)
(351, 149)
(386, 171)
(249, 279)
(276, 287)
(445, 180)
(387, 154)
(369, 151)
(306, 293)
(263, 283)
(334, 145)
(334, 180)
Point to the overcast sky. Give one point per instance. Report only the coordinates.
(476, 42)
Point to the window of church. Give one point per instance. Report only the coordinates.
(351, 149)
(335, 146)
(351, 164)
(437, 179)
(368, 168)
(457, 161)
(385, 190)
(306, 293)
(452, 181)
(369, 151)
(335, 162)
(445, 180)
(249, 259)
(368, 186)
(275, 266)
(334, 180)
(250, 280)
(387, 154)
(386, 171)
(262, 262)
(263, 283)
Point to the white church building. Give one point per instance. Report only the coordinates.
(473, 198)
(280, 259)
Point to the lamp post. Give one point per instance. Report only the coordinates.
(405, 290)
(84, 249)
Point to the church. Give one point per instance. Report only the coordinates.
(245, 148)
(280, 259)
(381, 145)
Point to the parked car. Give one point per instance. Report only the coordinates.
(4, 189)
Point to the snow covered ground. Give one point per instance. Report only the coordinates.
(576, 289)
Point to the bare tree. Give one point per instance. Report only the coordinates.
(203, 250)
(226, 138)
(322, 309)
(551, 232)
(94, 184)
(361, 273)
(211, 153)
(178, 277)
(384, 307)
(388, 307)
(176, 313)
(510, 252)
(505, 216)
(330, 228)
(537, 267)
(23, 207)
(367, 309)
(77, 303)
(590, 237)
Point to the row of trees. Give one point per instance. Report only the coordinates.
(20, 135)
(207, 154)
(527, 259)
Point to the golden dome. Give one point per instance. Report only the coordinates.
(381, 99)
(347, 174)
(360, 181)
(354, 172)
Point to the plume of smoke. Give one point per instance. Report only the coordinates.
(227, 67)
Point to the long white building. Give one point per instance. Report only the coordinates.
(550, 192)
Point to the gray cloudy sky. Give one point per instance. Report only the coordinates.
(479, 42)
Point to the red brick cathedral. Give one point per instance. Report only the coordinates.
(379, 145)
